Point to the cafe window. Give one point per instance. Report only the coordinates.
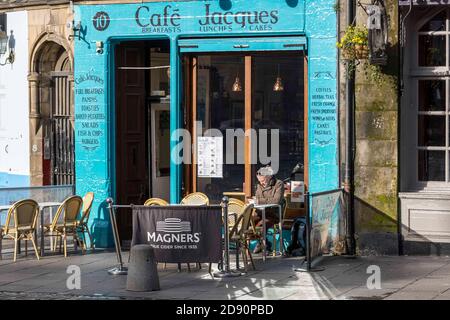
(432, 104)
(260, 92)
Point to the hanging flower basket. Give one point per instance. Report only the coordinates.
(361, 51)
(354, 43)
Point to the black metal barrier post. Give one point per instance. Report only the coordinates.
(226, 272)
(120, 270)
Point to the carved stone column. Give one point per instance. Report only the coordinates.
(35, 115)
(36, 172)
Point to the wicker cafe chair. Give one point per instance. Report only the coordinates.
(83, 227)
(24, 214)
(156, 202)
(235, 208)
(195, 199)
(69, 210)
(239, 234)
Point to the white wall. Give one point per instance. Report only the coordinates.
(14, 125)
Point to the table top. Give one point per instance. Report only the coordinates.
(49, 204)
(41, 205)
(264, 206)
(234, 193)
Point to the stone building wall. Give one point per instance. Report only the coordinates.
(376, 159)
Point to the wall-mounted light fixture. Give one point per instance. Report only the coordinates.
(72, 25)
(6, 41)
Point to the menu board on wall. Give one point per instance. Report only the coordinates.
(210, 157)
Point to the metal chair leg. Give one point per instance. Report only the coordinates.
(244, 260)
(90, 238)
(247, 247)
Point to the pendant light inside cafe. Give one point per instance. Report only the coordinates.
(278, 86)
(237, 86)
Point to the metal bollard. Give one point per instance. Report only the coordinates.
(120, 270)
(226, 272)
(142, 270)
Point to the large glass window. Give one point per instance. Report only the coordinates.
(259, 94)
(433, 149)
(278, 98)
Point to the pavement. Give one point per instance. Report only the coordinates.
(343, 278)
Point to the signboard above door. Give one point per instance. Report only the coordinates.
(192, 17)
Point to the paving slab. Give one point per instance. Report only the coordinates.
(342, 278)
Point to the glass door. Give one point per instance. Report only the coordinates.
(251, 107)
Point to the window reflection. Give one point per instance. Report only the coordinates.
(432, 95)
(437, 23)
(431, 165)
(432, 51)
(431, 131)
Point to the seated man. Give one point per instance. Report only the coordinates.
(268, 191)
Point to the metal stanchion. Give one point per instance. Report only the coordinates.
(226, 272)
(119, 270)
(308, 258)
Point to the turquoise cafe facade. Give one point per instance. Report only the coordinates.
(145, 69)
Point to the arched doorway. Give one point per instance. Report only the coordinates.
(52, 113)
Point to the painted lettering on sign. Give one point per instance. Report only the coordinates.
(254, 20)
(167, 21)
(90, 114)
(323, 114)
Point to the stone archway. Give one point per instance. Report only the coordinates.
(51, 111)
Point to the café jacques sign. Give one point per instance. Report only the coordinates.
(169, 20)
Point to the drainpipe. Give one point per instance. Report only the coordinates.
(349, 179)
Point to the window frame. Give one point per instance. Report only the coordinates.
(419, 73)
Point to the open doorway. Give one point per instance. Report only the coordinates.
(142, 158)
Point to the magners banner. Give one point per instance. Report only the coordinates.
(180, 234)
